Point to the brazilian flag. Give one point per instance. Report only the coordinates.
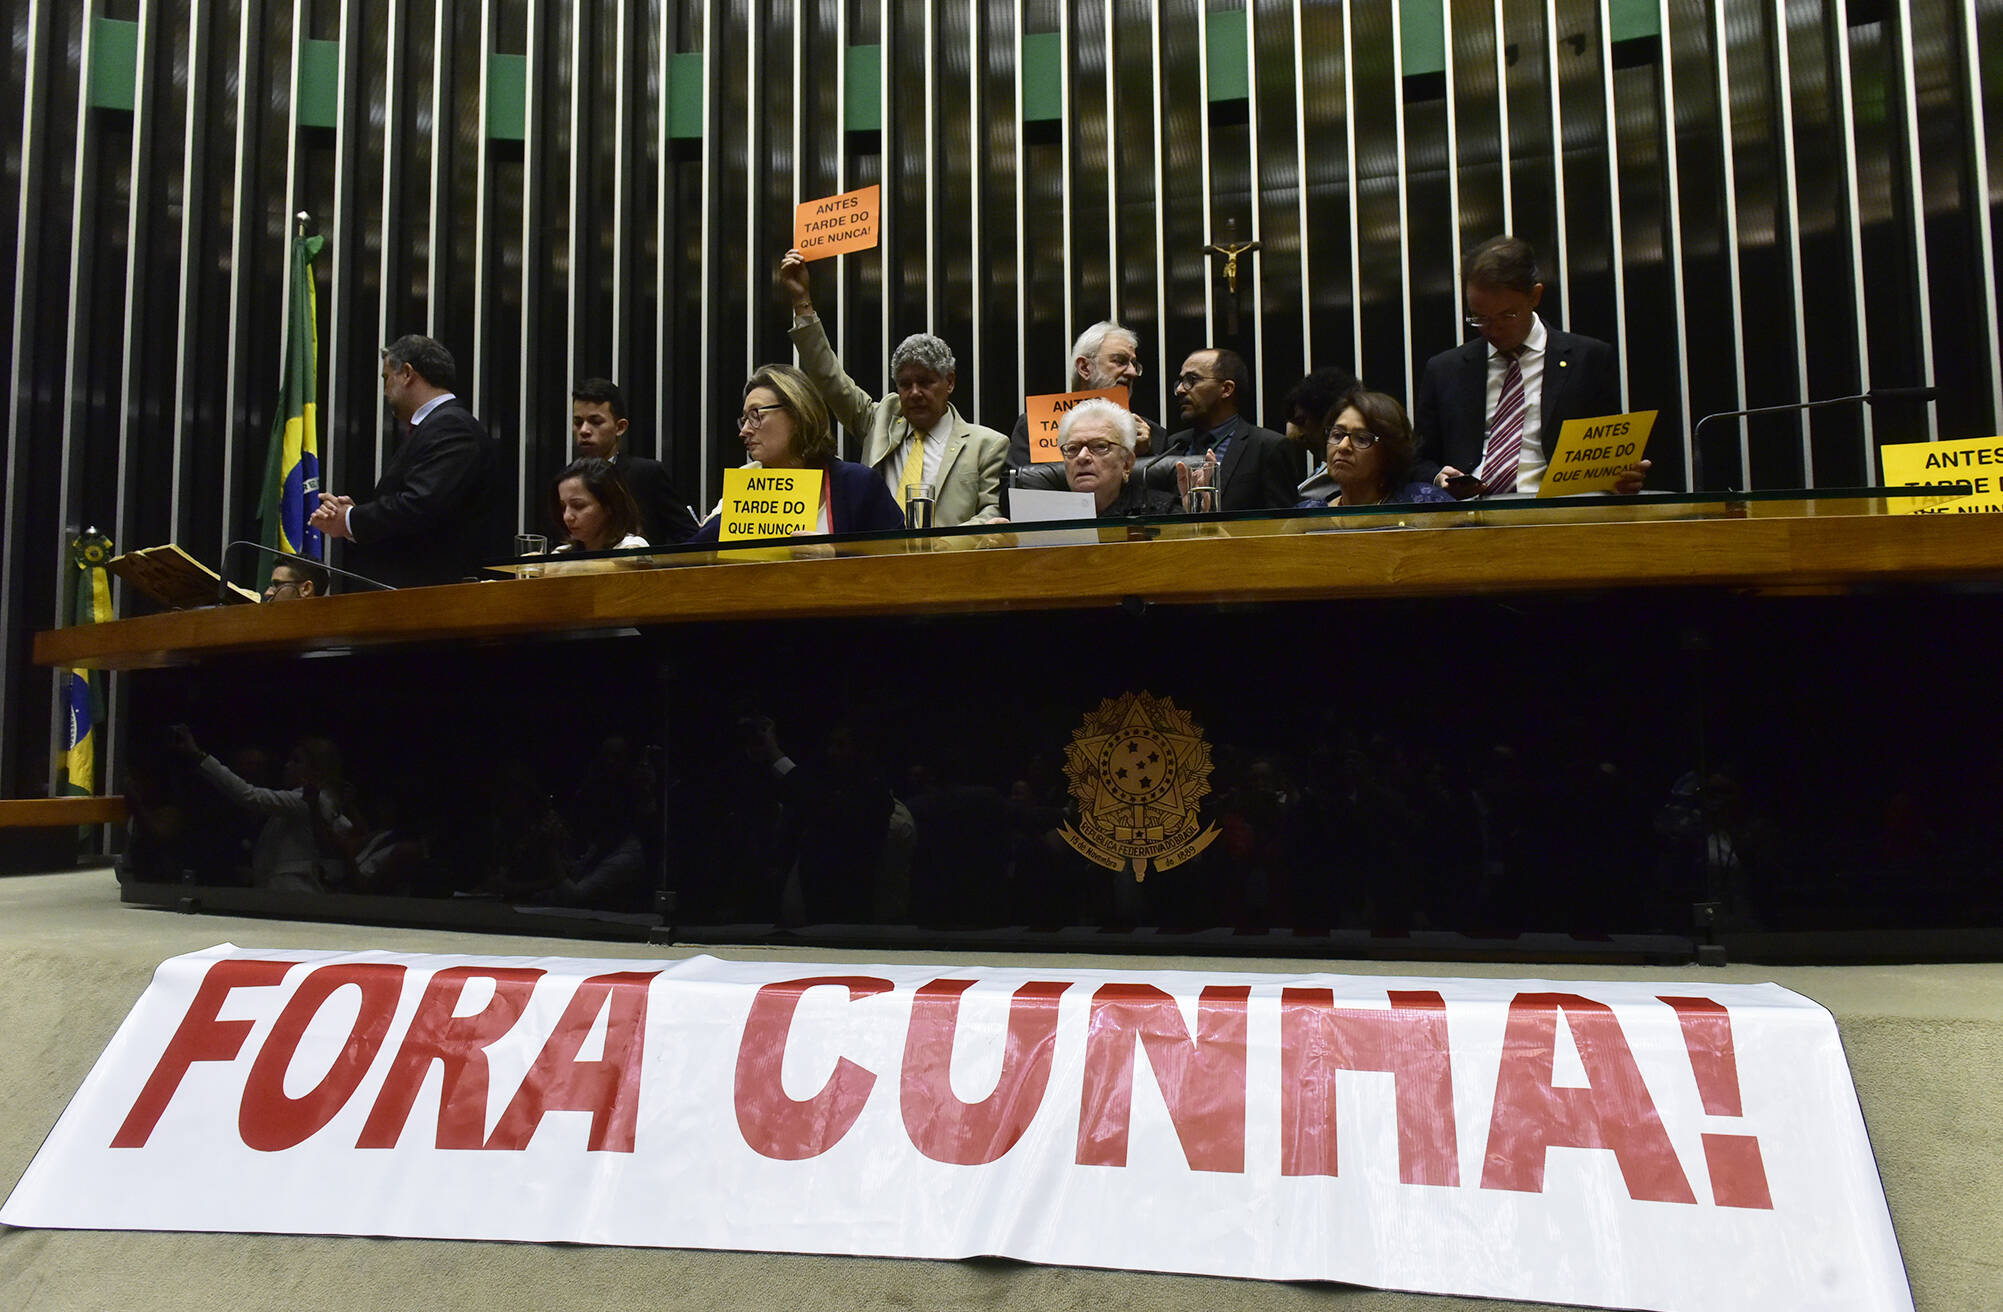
(83, 701)
(292, 471)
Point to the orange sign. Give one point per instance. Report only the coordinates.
(1047, 412)
(838, 224)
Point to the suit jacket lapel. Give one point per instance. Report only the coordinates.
(956, 439)
(1473, 394)
(885, 439)
(393, 467)
(1233, 458)
(1552, 392)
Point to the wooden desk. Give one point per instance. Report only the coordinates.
(1764, 546)
(1617, 669)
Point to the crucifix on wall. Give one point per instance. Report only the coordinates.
(1230, 249)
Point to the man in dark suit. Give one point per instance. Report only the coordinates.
(598, 421)
(1257, 469)
(1493, 407)
(432, 518)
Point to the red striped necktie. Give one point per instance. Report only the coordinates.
(1505, 434)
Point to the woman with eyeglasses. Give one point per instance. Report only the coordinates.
(593, 508)
(1097, 440)
(1370, 453)
(785, 425)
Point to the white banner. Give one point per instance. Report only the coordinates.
(1671, 1146)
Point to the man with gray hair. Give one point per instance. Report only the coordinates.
(913, 435)
(1097, 439)
(1107, 354)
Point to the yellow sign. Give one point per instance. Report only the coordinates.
(1592, 454)
(835, 225)
(1977, 461)
(1047, 412)
(769, 503)
(1991, 504)
(1139, 768)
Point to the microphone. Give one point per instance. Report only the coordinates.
(222, 587)
(1873, 397)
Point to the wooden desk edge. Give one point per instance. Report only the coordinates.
(50, 812)
(1778, 552)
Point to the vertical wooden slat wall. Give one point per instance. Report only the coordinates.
(1760, 200)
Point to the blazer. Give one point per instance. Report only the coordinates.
(969, 480)
(1261, 469)
(432, 518)
(1581, 381)
(664, 516)
(858, 502)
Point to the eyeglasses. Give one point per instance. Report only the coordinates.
(1099, 447)
(278, 584)
(1191, 380)
(754, 418)
(1360, 438)
(1480, 321)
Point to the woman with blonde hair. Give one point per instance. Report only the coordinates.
(785, 425)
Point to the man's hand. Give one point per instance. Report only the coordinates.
(760, 738)
(794, 283)
(1631, 479)
(1446, 472)
(1183, 471)
(332, 516)
(1143, 436)
(183, 741)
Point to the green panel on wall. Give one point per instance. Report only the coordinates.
(863, 96)
(507, 97)
(1230, 69)
(319, 84)
(114, 63)
(685, 96)
(1633, 18)
(1042, 66)
(1422, 30)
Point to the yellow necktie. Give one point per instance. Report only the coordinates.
(914, 464)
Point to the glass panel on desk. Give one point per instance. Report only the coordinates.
(1649, 507)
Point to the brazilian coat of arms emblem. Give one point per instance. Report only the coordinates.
(1139, 768)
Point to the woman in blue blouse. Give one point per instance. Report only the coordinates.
(1370, 452)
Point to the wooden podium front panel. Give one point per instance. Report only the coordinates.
(1597, 762)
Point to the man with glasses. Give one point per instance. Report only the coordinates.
(291, 581)
(1107, 354)
(1489, 412)
(913, 435)
(1255, 468)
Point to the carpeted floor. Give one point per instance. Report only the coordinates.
(1925, 1044)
